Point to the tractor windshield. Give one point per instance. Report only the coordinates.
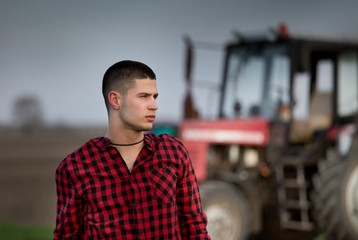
(257, 81)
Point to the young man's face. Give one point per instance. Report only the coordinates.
(139, 106)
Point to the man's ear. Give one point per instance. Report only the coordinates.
(114, 99)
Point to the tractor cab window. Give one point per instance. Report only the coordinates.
(347, 84)
(276, 103)
(244, 85)
(256, 83)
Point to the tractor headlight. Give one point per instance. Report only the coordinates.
(251, 158)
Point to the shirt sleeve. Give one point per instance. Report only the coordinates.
(69, 206)
(191, 218)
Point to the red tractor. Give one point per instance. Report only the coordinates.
(285, 137)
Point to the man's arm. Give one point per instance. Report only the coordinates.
(192, 220)
(69, 220)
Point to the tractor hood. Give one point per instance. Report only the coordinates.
(253, 131)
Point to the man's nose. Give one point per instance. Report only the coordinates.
(153, 104)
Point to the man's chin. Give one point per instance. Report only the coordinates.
(145, 128)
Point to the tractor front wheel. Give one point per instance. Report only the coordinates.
(227, 210)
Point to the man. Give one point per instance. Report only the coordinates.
(128, 184)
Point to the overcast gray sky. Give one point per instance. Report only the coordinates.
(59, 50)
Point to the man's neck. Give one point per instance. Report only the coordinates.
(128, 142)
(119, 135)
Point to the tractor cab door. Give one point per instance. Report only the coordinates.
(313, 99)
(324, 95)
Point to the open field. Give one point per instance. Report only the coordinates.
(27, 182)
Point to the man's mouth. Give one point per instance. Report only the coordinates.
(150, 118)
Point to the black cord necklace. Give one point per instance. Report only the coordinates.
(125, 145)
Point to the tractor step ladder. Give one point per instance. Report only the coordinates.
(292, 195)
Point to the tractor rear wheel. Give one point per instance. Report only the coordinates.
(227, 210)
(336, 198)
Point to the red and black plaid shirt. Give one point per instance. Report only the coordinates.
(99, 198)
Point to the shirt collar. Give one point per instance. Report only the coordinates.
(149, 143)
(101, 142)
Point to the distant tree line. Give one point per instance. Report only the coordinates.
(27, 113)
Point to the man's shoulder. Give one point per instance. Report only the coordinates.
(84, 152)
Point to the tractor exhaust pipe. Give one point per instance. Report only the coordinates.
(190, 112)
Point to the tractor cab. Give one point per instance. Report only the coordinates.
(309, 85)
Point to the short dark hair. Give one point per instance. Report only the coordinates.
(121, 75)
